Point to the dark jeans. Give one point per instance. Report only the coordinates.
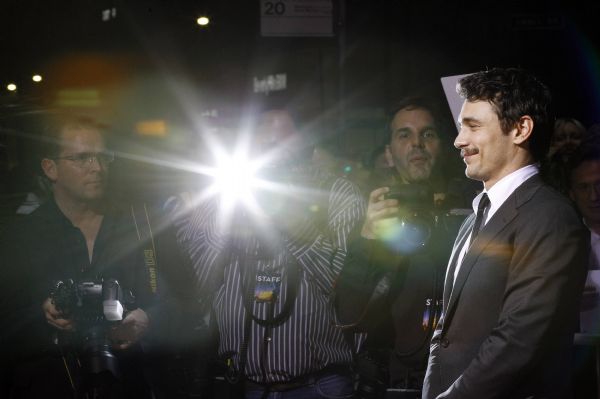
(332, 386)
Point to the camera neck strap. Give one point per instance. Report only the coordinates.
(248, 267)
(143, 228)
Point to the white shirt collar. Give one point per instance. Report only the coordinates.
(497, 195)
(504, 188)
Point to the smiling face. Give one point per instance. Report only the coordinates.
(414, 144)
(585, 191)
(71, 180)
(488, 152)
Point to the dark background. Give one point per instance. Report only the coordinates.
(152, 62)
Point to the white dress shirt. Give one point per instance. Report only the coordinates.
(497, 195)
(595, 252)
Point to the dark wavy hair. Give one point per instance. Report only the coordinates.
(443, 123)
(514, 93)
(416, 102)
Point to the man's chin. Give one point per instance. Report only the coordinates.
(473, 175)
(96, 195)
(419, 175)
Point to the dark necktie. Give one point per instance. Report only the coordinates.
(483, 204)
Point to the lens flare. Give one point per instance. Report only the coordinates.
(404, 236)
(235, 179)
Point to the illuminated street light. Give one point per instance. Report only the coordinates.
(11, 87)
(36, 78)
(203, 21)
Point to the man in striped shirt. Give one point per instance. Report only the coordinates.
(269, 272)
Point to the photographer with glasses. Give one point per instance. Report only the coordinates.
(60, 266)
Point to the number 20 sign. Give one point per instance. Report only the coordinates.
(296, 17)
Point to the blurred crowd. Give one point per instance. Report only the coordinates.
(278, 267)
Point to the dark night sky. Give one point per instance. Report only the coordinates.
(153, 62)
(391, 46)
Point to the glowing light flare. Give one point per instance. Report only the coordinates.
(248, 187)
(203, 21)
(314, 208)
(156, 128)
(403, 236)
(36, 78)
(11, 87)
(250, 183)
(235, 179)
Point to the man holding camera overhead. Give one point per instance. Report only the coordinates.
(64, 347)
(392, 284)
(268, 265)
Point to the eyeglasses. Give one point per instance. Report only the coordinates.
(86, 159)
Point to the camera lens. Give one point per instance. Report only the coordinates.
(409, 234)
(98, 356)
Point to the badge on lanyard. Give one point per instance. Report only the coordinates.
(426, 314)
(267, 287)
(430, 307)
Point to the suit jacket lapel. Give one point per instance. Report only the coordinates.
(505, 214)
(462, 236)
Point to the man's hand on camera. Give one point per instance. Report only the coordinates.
(130, 330)
(378, 210)
(288, 207)
(56, 318)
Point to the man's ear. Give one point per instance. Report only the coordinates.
(49, 168)
(523, 129)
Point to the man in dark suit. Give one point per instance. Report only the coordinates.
(517, 269)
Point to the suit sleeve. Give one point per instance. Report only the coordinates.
(545, 280)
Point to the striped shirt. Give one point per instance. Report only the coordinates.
(307, 341)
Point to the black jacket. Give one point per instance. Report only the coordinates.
(507, 328)
(44, 247)
(395, 294)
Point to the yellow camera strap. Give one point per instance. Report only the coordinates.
(143, 227)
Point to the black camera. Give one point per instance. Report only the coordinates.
(417, 217)
(413, 196)
(94, 306)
